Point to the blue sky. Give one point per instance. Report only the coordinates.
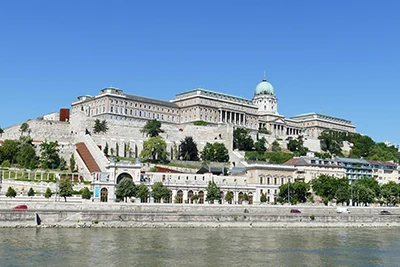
(339, 58)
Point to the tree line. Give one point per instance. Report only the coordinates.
(363, 191)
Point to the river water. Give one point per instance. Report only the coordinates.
(199, 247)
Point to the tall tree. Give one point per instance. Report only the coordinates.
(72, 163)
(332, 142)
(49, 157)
(297, 146)
(242, 140)
(66, 188)
(212, 192)
(154, 149)
(8, 150)
(152, 128)
(142, 192)
(26, 152)
(326, 186)
(188, 149)
(260, 145)
(215, 152)
(24, 127)
(299, 192)
(125, 188)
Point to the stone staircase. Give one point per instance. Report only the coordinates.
(96, 153)
(87, 157)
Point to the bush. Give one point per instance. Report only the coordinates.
(11, 192)
(48, 193)
(86, 194)
(31, 192)
(200, 123)
(6, 164)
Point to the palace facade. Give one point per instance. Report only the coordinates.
(212, 107)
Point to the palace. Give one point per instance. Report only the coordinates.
(212, 107)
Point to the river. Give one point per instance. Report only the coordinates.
(199, 247)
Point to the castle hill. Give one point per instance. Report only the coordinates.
(202, 159)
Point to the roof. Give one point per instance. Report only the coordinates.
(381, 163)
(151, 101)
(352, 160)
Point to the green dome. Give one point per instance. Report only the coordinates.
(264, 88)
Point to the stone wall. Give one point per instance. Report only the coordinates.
(192, 215)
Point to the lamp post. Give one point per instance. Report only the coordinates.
(288, 191)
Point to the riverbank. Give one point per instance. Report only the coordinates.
(118, 215)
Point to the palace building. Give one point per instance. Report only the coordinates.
(200, 104)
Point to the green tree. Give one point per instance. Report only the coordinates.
(216, 152)
(297, 146)
(48, 193)
(11, 192)
(100, 126)
(260, 145)
(159, 191)
(326, 186)
(152, 128)
(125, 188)
(86, 194)
(362, 194)
(66, 188)
(24, 127)
(299, 192)
(342, 194)
(212, 192)
(72, 163)
(242, 140)
(9, 150)
(26, 152)
(106, 150)
(263, 198)
(332, 142)
(229, 197)
(188, 149)
(389, 193)
(154, 150)
(361, 147)
(49, 157)
(276, 147)
(63, 164)
(142, 192)
(1, 130)
(31, 192)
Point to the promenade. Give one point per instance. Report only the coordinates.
(89, 214)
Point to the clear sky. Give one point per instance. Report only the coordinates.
(340, 58)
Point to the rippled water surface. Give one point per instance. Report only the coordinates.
(199, 247)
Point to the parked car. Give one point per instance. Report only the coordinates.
(384, 212)
(295, 211)
(20, 207)
(343, 210)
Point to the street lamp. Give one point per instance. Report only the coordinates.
(288, 191)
